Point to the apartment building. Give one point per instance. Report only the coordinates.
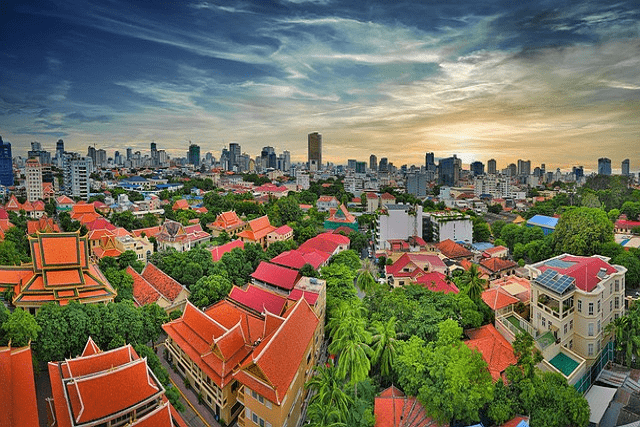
(575, 298)
(441, 226)
(33, 174)
(398, 222)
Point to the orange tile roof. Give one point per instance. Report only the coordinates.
(289, 342)
(257, 229)
(149, 232)
(5, 224)
(495, 265)
(181, 204)
(162, 282)
(17, 388)
(341, 215)
(452, 250)
(497, 298)
(393, 409)
(65, 200)
(494, 348)
(43, 224)
(143, 292)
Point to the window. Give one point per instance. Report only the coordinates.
(616, 303)
(566, 328)
(598, 306)
(544, 322)
(571, 324)
(617, 285)
(590, 349)
(610, 305)
(590, 329)
(550, 324)
(570, 344)
(610, 288)
(598, 325)
(579, 306)
(590, 309)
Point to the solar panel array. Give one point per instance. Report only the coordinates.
(556, 282)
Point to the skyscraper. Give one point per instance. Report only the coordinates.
(286, 164)
(59, 153)
(604, 166)
(154, 154)
(234, 154)
(417, 184)
(373, 162)
(6, 164)
(193, 156)
(625, 167)
(477, 168)
(430, 161)
(524, 167)
(361, 167)
(491, 167)
(383, 166)
(449, 171)
(129, 153)
(76, 175)
(314, 148)
(33, 174)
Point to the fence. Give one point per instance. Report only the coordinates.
(606, 355)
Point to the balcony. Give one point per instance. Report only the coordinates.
(240, 421)
(240, 396)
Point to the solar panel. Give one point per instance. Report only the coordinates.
(556, 282)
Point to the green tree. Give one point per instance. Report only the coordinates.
(473, 283)
(632, 264)
(209, 289)
(122, 282)
(582, 231)
(20, 328)
(9, 255)
(348, 258)
(329, 392)
(383, 344)
(481, 230)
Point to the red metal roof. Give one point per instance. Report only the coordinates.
(437, 282)
(296, 259)
(276, 275)
(218, 251)
(325, 242)
(259, 299)
(584, 269)
(311, 297)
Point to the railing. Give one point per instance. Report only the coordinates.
(606, 355)
(524, 325)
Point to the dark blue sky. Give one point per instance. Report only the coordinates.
(556, 82)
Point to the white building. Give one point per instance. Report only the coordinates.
(450, 225)
(76, 175)
(33, 173)
(498, 186)
(575, 298)
(398, 222)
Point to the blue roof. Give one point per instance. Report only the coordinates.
(523, 423)
(481, 246)
(543, 221)
(135, 178)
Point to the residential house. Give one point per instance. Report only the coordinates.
(155, 286)
(340, 217)
(326, 203)
(229, 222)
(175, 235)
(437, 282)
(61, 271)
(140, 245)
(497, 267)
(575, 298)
(453, 250)
(257, 231)
(181, 204)
(496, 252)
(387, 199)
(373, 202)
(499, 300)
(296, 259)
(410, 266)
(327, 242)
(64, 204)
(280, 234)
(494, 348)
(625, 226)
(393, 409)
(17, 388)
(108, 388)
(271, 190)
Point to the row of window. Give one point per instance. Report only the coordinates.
(259, 398)
(250, 415)
(615, 301)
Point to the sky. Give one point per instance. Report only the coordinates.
(553, 82)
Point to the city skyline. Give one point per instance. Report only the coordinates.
(556, 84)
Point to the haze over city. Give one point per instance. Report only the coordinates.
(554, 83)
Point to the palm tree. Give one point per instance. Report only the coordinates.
(353, 361)
(383, 346)
(473, 282)
(329, 391)
(323, 416)
(366, 281)
(347, 320)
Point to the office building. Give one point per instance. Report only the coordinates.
(373, 162)
(383, 166)
(477, 168)
(314, 148)
(361, 167)
(101, 158)
(604, 166)
(430, 161)
(129, 154)
(37, 152)
(154, 155)
(449, 171)
(417, 184)
(33, 174)
(193, 156)
(76, 171)
(491, 167)
(351, 164)
(625, 167)
(6, 164)
(578, 171)
(499, 187)
(443, 226)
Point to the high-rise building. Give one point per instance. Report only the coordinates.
(578, 171)
(524, 167)
(91, 152)
(234, 153)
(511, 170)
(625, 167)
(491, 167)
(129, 153)
(154, 154)
(193, 156)
(373, 162)
(417, 184)
(6, 164)
(383, 166)
(430, 161)
(477, 168)
(33, 173)
(314, 149)
(44, 157)
(59, 153)
(286, 164)
(361, 167)
(101, 158)
(604, 166)
(351, 164)
(76, 175)
(449, 171)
